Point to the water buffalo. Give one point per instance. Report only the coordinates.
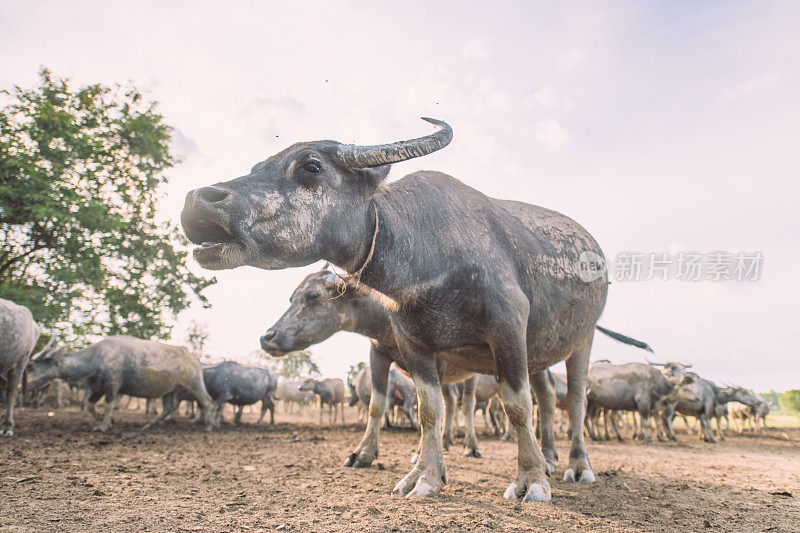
(701, 399)
(18, 336)
(321, 306)
(230, 382)
(126, 365)
(331, 393)
(288, 391)
(634, 387)
(754, 409)
(495, 286)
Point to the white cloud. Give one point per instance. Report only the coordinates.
(570, 60)
(548, 99)
(476, 49)
(552, 134)
(761, 84)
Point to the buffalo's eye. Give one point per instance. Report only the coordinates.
(314, 167)
(312, 296)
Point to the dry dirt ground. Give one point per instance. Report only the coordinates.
(57, 475)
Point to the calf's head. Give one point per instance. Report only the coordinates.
(674, 373)
(294, 208)
(308, 385)
(319, 307)
(43, 367)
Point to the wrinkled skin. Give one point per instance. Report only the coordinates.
(495, 288)
(634, 387)
(126, 365)
(330, 392)
(18, 336)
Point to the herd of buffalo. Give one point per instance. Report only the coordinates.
(466, 299)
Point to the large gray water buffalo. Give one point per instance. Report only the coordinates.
(321, 306)
(126, 365)
(230, 382)
(635, 387)
(18, 336)
(701, 399)
(496, 286)
(331, 393)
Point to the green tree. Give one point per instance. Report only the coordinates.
(80, 244)
(791, 399)
(297, 364)
(196, 339)
(355, 369)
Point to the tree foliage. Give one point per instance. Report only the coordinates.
(297, 364)
(791, 399)
(354, 370)
(80, 244)
(196, 339)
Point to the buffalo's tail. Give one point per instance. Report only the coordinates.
(625, 339)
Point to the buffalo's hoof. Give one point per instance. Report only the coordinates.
(585, 476)
(101, 428)
(473, 452)
(7, 432)
(357, 460)
(549, 468)
(421, 484)
(535, 492)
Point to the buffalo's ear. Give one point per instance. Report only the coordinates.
(372, 177)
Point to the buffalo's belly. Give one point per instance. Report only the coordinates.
(149, 383)
(472, 359)
(623, 402)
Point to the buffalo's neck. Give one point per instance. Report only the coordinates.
(74, 367)
(401, 260)
(370, 319)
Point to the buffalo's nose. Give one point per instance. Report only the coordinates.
(268, 336)
(212, 194)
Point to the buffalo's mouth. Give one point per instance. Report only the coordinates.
(217, 246)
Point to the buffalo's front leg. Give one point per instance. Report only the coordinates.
(13, 379)
(429, 474)
(577, 369)
(367, 450)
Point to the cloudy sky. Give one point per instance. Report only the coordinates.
(661, 127)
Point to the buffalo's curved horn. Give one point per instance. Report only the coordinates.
(354, 156)
(44, 350)
(649, 362)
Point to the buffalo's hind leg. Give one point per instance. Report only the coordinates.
(577, 368)
(546, 400)
(470, 438)
(509, 348)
